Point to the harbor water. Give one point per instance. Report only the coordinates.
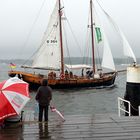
(80, 101)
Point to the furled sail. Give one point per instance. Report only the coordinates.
(80, 66)
(48, 55)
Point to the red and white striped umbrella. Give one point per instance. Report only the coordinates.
(14, 94)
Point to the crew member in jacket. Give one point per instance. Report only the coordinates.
(43, 97)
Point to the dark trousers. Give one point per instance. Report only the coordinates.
(43, 109)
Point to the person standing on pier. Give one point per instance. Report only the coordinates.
(43, 97)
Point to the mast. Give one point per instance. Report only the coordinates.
(61, 40)
(92, 38)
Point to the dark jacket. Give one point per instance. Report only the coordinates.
(44, 95)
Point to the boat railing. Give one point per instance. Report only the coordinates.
(121, 108)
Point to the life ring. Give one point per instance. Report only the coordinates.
(62, 76)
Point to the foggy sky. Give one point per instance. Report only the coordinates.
(21, 31)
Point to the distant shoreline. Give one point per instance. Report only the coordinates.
(75, 60)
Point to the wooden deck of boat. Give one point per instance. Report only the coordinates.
(76, 127)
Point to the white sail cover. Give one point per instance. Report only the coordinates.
(82, 66)
(48, 55)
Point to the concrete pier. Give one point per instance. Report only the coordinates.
(76, 127)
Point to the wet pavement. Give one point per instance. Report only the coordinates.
(76, 127)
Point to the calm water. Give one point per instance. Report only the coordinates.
(84, 101)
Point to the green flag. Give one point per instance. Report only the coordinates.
(98, 34)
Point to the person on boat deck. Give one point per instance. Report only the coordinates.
(71, 74)
(89, 73)
(82, 72)
(43, 97)
(52, 75)
(66, 74)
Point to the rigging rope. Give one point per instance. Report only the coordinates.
(73, 32)
(29, 33)
(67, 46)
(86, 51)
(75, 38)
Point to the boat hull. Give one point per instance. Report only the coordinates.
(35, 80)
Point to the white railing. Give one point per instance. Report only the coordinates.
(120, 108)
(139, 110)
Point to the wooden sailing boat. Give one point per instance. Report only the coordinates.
(50, 57)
